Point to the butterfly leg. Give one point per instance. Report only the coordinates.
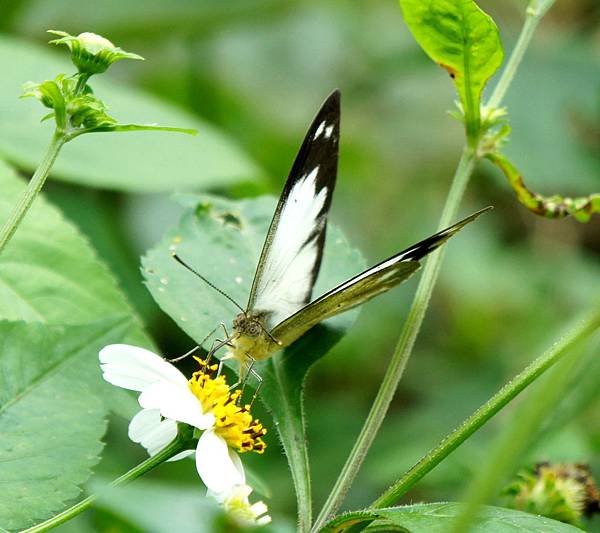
(187, 354)
(245, 375)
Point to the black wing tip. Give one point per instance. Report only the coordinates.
(421, 249)
(332, 103)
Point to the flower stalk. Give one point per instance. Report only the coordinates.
(33, 189)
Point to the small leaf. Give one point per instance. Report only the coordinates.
(144, 161)
(463, 40)
(222, 240)
(439, 518)
(51, 422)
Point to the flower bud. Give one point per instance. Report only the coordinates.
(91, 53)
(563, 492)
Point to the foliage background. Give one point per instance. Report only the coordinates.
(257, 70)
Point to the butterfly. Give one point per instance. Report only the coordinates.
(280, 308)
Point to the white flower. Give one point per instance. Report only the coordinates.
(238, 507)
(204, 402)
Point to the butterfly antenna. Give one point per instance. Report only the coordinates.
(184, 264)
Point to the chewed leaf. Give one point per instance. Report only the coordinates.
(463, 40)
(51, 421)
(222, 240)
(439, 518)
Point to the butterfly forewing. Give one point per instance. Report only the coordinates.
(364, 286)
(291, 255)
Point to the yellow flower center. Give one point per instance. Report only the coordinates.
(233, 422)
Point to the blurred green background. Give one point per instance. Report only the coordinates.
(256, 72)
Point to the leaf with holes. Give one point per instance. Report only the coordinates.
(51, 414)
(462, 39)
(222, 240)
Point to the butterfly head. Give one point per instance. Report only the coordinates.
(248, 325)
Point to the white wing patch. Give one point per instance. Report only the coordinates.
(328, 131)
(287, 275)
(319, 130)
(367, 273)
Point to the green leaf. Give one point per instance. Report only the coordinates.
(49, 273)
(222, 240)
(51, 421)
(462, 39)
(137, 161)
(439, 518)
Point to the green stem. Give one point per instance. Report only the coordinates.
(172, 449)
(416, 314)
(534, 14)
(402, 351)
(33, 188)
(511, 447)
(488, 410)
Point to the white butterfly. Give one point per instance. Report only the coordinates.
(280, 309)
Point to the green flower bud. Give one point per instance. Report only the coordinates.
(88, 112)
(48, 92)
(91, 53)
(563, 492)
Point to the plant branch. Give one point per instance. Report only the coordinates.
(482, 415)
(33, 188)
(169, 451)
(535, 11)
(504, 455)
(416, 314)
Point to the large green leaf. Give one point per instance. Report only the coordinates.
(51, 418)
(439, 518)
(223, 240)
(462, 39)
(50, 274)
(138, 161)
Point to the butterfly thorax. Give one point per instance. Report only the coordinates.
(250, 339)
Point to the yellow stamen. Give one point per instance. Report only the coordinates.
(233, 422)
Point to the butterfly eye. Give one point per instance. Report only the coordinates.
(254, 329)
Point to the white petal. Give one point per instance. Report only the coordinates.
(219, 467)
(176, 402)
(153, 433)
(135, 368)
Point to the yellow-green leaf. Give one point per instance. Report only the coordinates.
(462, 39)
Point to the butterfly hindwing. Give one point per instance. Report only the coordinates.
(291, 255)
(364, 286)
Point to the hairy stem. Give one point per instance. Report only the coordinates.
(480, 417)
(503, 457)
(172, 449)
(33, 188)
